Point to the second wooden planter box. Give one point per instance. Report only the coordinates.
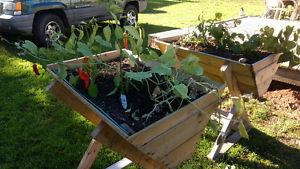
(166, 142)
(251, 78)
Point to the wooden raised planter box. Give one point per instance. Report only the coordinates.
(251, 78)
(164, 144)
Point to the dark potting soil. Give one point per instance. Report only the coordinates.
(139, 104)
(250, 57)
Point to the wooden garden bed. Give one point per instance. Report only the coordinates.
(163, 144)
(251, 78)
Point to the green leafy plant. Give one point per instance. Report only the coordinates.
(212, 34)
(169, 83)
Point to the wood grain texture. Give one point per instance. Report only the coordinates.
(107, 136)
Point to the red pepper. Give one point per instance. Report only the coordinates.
(35, 69)
(125, 41)
(85, 77)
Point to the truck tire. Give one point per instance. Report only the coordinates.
(47, 28)
(130, 15)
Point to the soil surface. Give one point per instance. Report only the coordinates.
(139, 103)
(249, 57)
(283, 96)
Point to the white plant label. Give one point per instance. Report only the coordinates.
(124, 101)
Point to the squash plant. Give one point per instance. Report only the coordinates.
(214, 35)
(139, 87)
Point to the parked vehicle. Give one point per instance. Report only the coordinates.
(44, 18)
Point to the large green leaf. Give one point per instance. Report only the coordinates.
(107, 33)
(132, 31)
(31, 47)
(181, 90)
(102, 42)
(129, 54)
(73, 80)
(168, 58)
(152, 56)
(119, 32)
(161, 70)
(191, 65)
(93, 34)
(93, 90)
(117, 82)
(84, 49)
(138, 76)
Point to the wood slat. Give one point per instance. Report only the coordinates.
(212, 64)
(182, 152)
(273, 58)
(180, 133)
(286, 75)
(107, 136)
(144, 136)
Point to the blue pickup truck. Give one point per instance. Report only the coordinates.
(42, 18)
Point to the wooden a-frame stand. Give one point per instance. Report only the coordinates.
(229, 134)
(226, 139)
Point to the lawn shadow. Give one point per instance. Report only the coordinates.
(268, 148)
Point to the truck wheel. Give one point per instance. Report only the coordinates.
(130, 15)
(48, 28)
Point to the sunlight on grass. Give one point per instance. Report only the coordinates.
(180, 14)
(37, 131)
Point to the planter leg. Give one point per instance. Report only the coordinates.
(90, 155)
(225, 141)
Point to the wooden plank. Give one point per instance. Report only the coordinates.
(264, 74)
(286, 75)
(211, 63)
(107, 136)
(142, 137)
(215, 152)
(263, 87)
(120, 164)
(273, 58)
(231, 81)
(172, 34)
(90, 155)
(264, 78)
(232, 140)
(182, 152)
(180, 133)
(63, 94)
(73, 63)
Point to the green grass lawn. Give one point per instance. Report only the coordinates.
(39, 132)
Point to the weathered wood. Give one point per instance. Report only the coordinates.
(74, 63)
(182, 152)
(231, 80)
(286, 75)
(90, 155)
(215, 152)
(187, 121)
(245, 73)
(224, 141)
(62, 93)
(180, 133)
(107, 136)
(144, 136)
(120, 164)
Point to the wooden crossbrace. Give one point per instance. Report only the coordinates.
(227, 136)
